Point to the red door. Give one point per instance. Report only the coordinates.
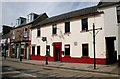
(57, 51)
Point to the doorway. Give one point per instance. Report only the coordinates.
(27, 52)
(17, 50)
(110, 50)
(57, 51)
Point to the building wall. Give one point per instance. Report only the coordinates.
(110, 23)
(19, 34)
(119, 42)
(20, 40)
(76, 35)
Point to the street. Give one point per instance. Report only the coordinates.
(17, 69)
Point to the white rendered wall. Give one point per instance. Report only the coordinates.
(75, 36)
(110, 23)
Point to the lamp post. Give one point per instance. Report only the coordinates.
(5, 48)
(44, 39)
(94, 42)
(94, 45)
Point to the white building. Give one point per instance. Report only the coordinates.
(68, 38)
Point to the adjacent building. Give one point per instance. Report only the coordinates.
(21, 35)
(67, 38)
(5, 40)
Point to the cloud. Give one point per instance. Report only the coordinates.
(12, 10)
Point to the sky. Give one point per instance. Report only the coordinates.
(10, 11)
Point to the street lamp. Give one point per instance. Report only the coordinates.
(94, 42)
(45, 39)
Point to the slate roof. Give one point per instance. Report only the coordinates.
(35, 20)
(72, 14)
(6, 29)
(104, 4)
(6, 36)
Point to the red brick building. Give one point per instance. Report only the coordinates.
(21, 35)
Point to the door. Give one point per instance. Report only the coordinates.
(27, 52)
(110, 50)
(17, 51)
(57, 51)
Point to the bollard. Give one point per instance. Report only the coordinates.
(46, 61)
(20, 58)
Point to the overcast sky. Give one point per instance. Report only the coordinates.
(13, 10)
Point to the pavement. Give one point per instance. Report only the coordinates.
(109, 69)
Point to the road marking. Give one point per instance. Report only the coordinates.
(27, 74)
(76, 70)
(18, 72)
(30, 75)
(9, 69)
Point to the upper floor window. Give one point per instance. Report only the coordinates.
(13, 34)
(84, 24)
(67, 50)
(118, 14)
(18, 22)
(38, 32)
(54, 29)
(25, 32)
(30, 18)
(67, 27)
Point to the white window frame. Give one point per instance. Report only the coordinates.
(13, 34)
(25, 33)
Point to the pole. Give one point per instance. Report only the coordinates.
(5, 52)
(46, 57)
(46, 60)
(94, 45)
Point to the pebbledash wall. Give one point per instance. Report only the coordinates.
(76, 35)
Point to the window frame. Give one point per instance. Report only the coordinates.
(13, 34)
(118, 16)
(13, 49)
(33, 50)
(83, 24)
(38, 32)
(83, 50)
(25, 32)
(68, 54)
(38, 51)
(54, 29)
(22, 49)
(67, 25)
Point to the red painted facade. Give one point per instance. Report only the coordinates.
(71, 59)
(83, 59)
(57, 45)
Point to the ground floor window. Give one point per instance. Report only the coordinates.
(38, 50)
(22, 50)
(13, 47)
(48, 50)
(84, 49)
(67, 50)
(33, 49)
